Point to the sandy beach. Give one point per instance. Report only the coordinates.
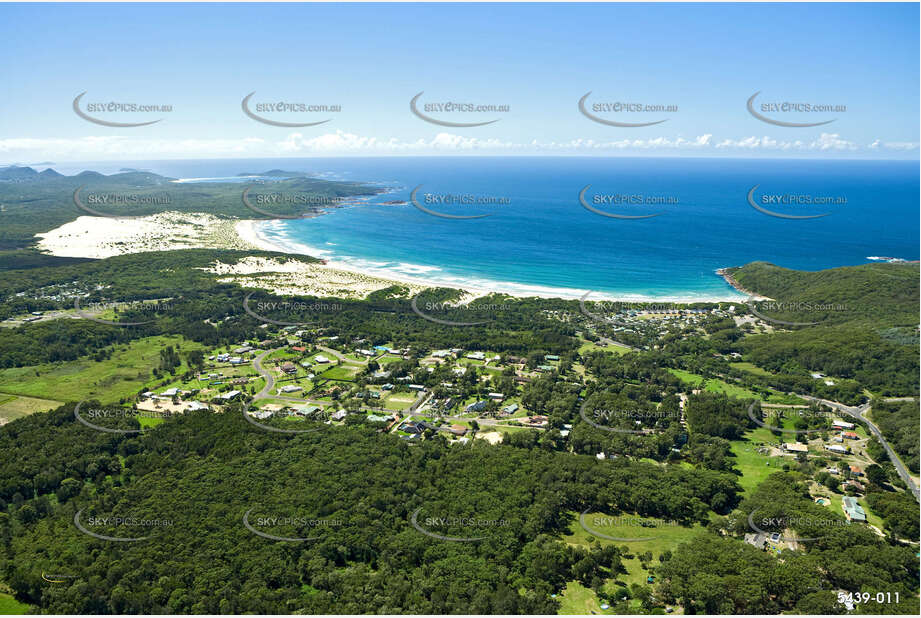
(99, 237)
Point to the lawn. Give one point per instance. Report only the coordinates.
(399, 401)
(121, 376)
(588, 347)
(750, 368)
(715, 385)
(576, 599)
(665, 535)
(9, 605)
(754, 466)
(13, 407)
(341, 372)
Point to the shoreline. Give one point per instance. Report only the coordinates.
(249, 232)
(100, 238)
(724, 273)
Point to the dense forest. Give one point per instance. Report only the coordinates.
(202, 472)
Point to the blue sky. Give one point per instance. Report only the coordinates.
(537, 59)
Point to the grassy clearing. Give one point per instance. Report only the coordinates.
(715, 385)
(576, 599)
(10, 606)
(121, 376)
(13, 407)
(750, 368)
(754, 466)
(662, 535)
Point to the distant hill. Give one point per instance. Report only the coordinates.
(16, 173)
(883, 293)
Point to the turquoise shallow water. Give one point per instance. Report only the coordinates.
(540, 239)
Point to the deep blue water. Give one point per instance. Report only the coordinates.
(544, 239)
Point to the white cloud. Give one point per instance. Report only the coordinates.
(341, 142)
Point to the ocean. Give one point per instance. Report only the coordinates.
(539, 238)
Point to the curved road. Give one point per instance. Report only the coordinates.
(859, 413)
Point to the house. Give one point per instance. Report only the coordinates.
(387, 387)
(381, 374)
(458, 430)
(223, 358)
(856, 470)
(364, 352)
(850, 435)
(795, 447)
(476, 406)
(441, 353)
(243, 349)
(321, 359)
(545, 368)
(476, 356)
(551, 357)
(510, 409)
(459, 371)
(236, 360)
(170, 392)
(339, 415)
(856, 485)
(833, 471)
(415, 427)
(839, 424)
(416, 387)
(288, 367)
(230, 395)
(290, 388)
(496, 396)
(537, 421)
(374, 418)
(298, 348)
(307, 410)
(836, 448)
(195, 405)
(852, 510)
